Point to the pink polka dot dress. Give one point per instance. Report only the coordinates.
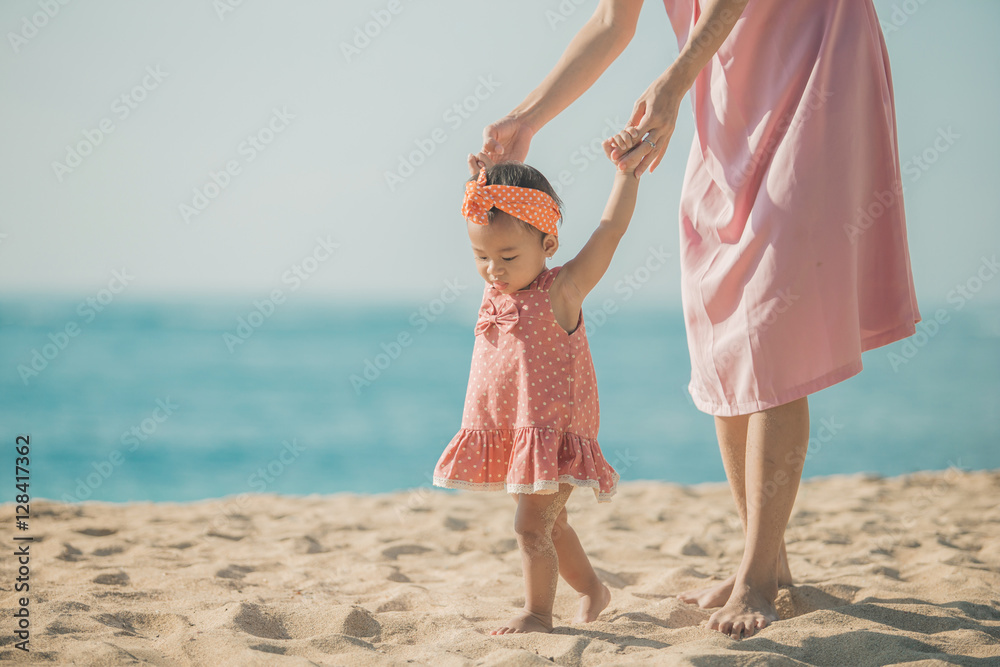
(531, 410)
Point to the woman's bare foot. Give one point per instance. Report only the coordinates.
(591, 605)
(525, 622)
(717, 595)
(744, 614)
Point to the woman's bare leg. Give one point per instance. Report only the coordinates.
(732, 435)
(776, 444)
(533, 522)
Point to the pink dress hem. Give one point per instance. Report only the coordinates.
(491, 452)
(805, 389)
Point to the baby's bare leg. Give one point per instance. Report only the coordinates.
(576, 570)
(533, 522)
(575, 567)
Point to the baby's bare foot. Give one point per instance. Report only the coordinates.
(591, 605)
(525, 622)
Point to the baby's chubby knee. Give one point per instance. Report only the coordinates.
(540, 518)
(538, 527)
(531, 528)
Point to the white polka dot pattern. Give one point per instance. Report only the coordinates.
(531, 409)
(535, 207)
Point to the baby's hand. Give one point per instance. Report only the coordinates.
(478, 161)
(630, 141)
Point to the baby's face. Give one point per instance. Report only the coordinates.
(509, 256)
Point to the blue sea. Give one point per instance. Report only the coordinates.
(177, 401)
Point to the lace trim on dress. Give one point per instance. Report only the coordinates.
(543, 486)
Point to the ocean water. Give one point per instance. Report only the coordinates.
(152, 401)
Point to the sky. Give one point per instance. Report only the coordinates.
(196, 147)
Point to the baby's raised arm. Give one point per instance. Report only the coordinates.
(580, 274)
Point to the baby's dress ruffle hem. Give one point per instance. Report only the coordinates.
(525, 460)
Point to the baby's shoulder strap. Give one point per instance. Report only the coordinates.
(544, 281)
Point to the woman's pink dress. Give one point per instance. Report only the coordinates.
(793, 238)
(531, 409)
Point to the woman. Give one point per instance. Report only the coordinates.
(793, 240)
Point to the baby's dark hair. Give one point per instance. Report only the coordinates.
(522, 176)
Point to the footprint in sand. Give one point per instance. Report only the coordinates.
(108, 551)
(120, 623)
(225, 536)
(182, 545)
(70, 553)
(265, 622)
(393, 553)
(145, 624)
(305, 544)
(112, 579)
(410, 598)
(97, 532)
(268, 648)
(453, 523)
(692, 548)
(356, 622)
(260, 622)
(503, 546)
(234, 572)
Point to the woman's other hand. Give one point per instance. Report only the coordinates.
(655, 115)
(629, 146)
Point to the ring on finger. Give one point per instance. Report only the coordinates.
(648, 141)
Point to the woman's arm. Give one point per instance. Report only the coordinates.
(713, 27)
(655, 112)
(592, 50)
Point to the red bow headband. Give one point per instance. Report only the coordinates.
(533, 206)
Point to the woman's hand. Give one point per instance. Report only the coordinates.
(654, 116)
(507, 139)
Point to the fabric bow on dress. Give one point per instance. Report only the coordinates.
(503, 316)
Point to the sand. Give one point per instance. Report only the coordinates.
(888, 571)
